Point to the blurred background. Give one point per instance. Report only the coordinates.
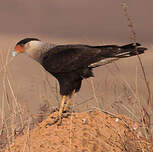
(102, 20)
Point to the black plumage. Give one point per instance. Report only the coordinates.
(70, 64)
(26, 40)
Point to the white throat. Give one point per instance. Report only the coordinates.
(36, 49)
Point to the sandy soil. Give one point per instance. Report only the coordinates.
(92, 131)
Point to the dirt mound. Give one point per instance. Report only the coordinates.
(92, 131)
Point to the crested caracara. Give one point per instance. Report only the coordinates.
(70, 64)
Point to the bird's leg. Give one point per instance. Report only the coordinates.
(60, 113)
(66, 107)
(61, 107)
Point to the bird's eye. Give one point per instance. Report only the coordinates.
(21, 44)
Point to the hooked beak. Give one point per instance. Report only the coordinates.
(14, 53)
(18, 49)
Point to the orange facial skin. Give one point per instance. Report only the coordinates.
(19, 48)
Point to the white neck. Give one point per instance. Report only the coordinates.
(36, 49)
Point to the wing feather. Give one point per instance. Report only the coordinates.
(66, 58)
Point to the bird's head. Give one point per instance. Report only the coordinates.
(25, 45)
(32, 47)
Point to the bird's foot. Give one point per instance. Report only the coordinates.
(66, 114)
(69, 111)
(57, 120)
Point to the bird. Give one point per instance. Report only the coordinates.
(71, 63)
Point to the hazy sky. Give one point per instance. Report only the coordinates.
(93, 19)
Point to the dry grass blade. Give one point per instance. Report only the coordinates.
(27, 138)
(94, 92)
(4, 63)
(9, 100)
(149, 100)
(133, 38)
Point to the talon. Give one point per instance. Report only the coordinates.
(54, 122)
(53, 117)
(67, 111)
(66, 115)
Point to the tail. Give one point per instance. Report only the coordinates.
(109, 51)
(133, 49)
(114, 52)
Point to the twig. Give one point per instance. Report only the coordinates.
(94, 92)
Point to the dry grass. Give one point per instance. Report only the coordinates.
(144, 110)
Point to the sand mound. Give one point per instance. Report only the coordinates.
(84, 132)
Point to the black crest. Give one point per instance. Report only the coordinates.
(26, 40)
